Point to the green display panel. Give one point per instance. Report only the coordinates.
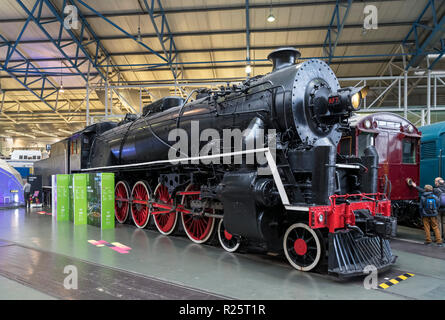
(107, 201)
(71, 198)
(63, 203)
(100, 197)
(93, 198)
(80, 204)
(54, 195)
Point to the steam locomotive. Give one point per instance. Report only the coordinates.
(296, 195)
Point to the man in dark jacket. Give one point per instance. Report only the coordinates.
(428, 207)
(439, 186)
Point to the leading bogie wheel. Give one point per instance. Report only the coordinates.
(228, 241)
(122, 201)
(197, 227)
(165, 220)
(303, 246)
(140, 209)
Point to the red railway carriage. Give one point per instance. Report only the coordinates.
(398, 143)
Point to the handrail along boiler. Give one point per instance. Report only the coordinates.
(317, 207)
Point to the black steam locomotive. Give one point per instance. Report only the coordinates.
(281, 186)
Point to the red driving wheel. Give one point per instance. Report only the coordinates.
(121, 201)
(165, 220)
(140, 211)
(198, 228)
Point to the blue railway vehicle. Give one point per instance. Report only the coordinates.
(432, 151)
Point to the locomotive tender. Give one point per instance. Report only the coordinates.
(317, 207)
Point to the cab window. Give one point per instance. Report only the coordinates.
(408, 151)
(345, 146)
(74, 146)
(364, 141)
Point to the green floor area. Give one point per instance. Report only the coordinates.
(242, 276)
(13, 290)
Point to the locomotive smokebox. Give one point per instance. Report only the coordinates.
(283, 57)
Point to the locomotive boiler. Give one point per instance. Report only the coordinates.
(297, 196)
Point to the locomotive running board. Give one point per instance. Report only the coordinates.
(179, 160)
(269, 157)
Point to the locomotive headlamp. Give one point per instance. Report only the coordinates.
(355, 100)
(347, 99)
(410, 129)
(357, 95)
(321, 218)
(368, 124)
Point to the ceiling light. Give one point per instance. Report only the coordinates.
(248, 69)
(139, 37)
(61, 79)
(271, 17)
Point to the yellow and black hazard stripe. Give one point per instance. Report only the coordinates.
(396, 280)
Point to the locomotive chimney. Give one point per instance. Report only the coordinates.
(283, 57)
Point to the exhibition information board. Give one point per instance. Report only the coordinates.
(54, 195)
(100, 190)
(80, 202)
(63, 197)
(71, 198)
(84, 199)
(107, 221)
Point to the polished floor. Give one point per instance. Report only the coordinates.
(34, 250)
